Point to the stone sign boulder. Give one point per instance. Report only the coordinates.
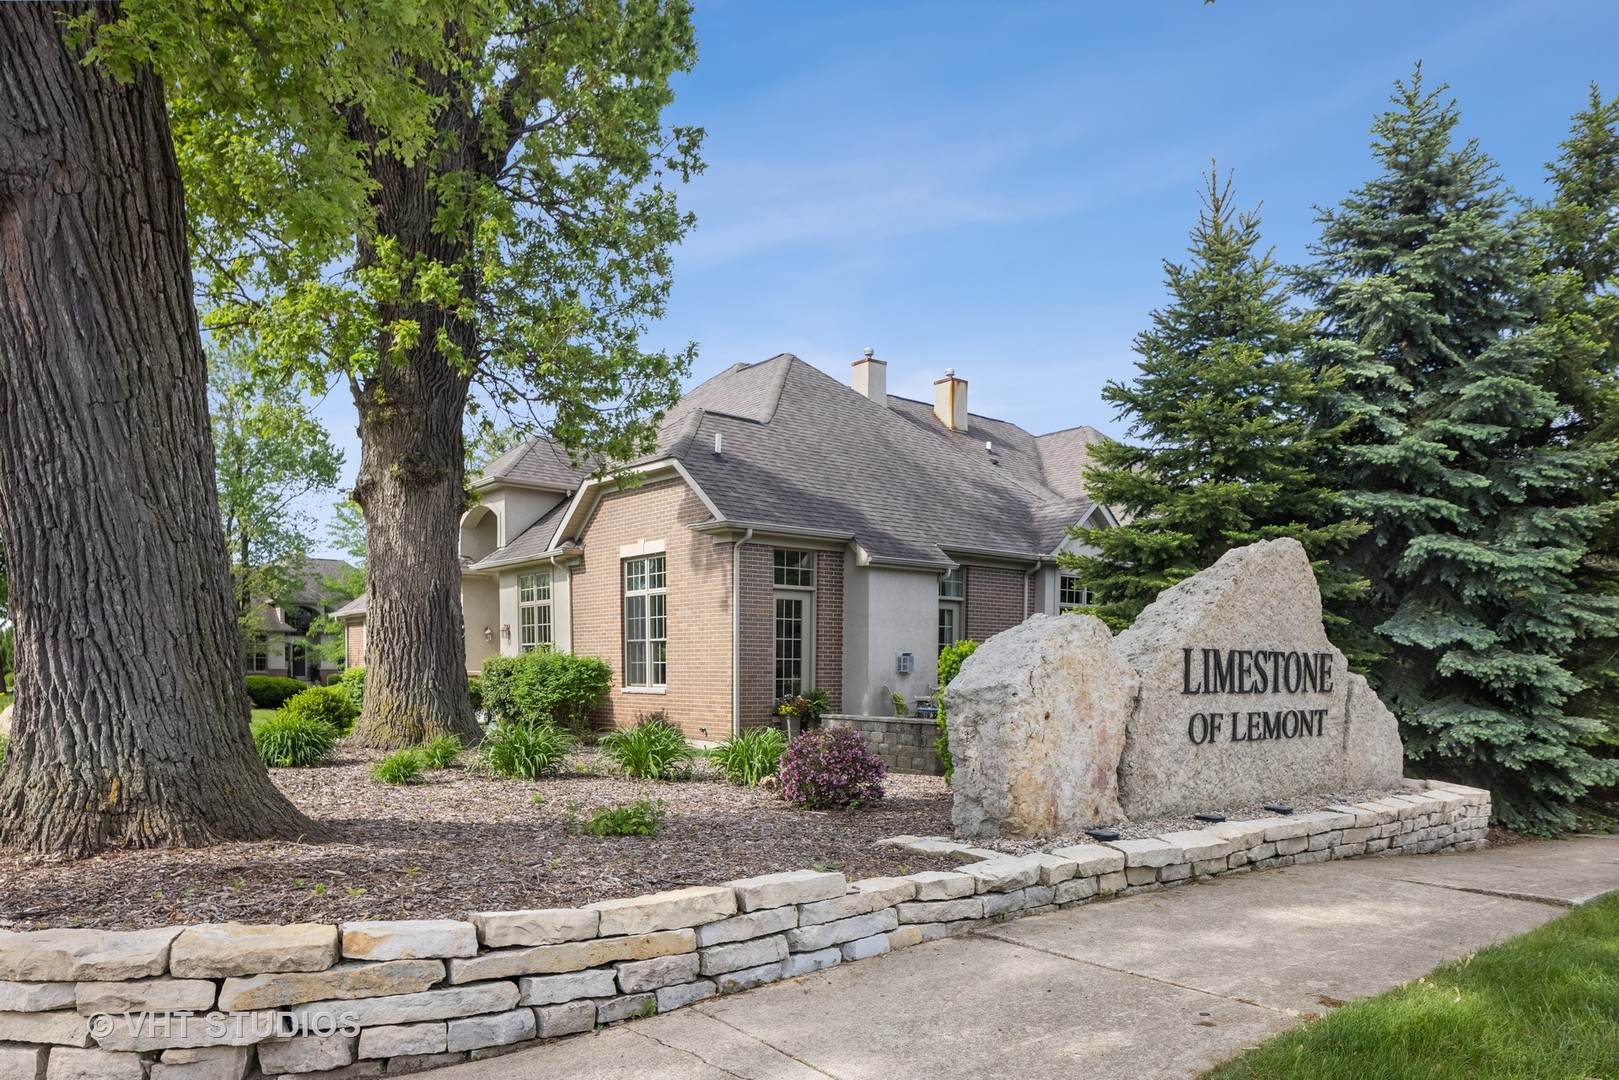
(1226, 691)
(1243, 699)
(1037, 723)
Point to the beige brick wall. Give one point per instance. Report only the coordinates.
(994, 600)
(698, 694)
(354, 644)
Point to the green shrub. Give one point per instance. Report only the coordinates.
(290, 741)
(950, 660)
(643, 817)
(352, 683)
(831, 769)
(272, 691)
(5, 744)
(544, 685)
(809, 706)
(751, 756)
(475, 692)
(323, 703)
(654, 749)
(440, 753)
(401, 767)
(526, 751)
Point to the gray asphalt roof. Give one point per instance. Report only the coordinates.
(802, 450)
(540, 462)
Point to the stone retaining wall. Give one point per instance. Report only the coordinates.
(411, 995)
(903, 743)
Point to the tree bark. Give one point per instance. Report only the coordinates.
(412, 463)
(131, 725)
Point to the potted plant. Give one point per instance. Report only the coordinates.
(803, 710)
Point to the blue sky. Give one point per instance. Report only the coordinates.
(992, 187)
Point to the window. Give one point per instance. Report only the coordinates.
(949, 625)
(795, 569)
(256, 658)
(1071, 593)
(953, 586)
(534, 610)
(646, 622)
(795, 621)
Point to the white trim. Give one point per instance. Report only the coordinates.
(642, 547)
(643, 689)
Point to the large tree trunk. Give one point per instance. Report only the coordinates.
(131, 724)
(412, 465)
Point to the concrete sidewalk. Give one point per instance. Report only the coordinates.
(1157, 985)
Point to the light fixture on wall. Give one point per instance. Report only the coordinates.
(505, 631)
(488, 634)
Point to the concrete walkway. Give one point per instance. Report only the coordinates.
(1157, 985)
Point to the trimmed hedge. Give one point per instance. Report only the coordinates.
(323, 703)
(545, 687)
(272, 691)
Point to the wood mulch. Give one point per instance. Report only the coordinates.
(463, 842)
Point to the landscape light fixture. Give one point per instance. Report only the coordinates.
(1210, 818)
(1102, 834)
(1276, 809)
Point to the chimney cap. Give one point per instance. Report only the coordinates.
(869, 352)
(950, 373)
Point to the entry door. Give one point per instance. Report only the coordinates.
(299, 664)
(795, 643)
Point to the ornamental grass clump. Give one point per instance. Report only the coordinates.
(526, 751)
(326, 703)
(831, 770)
(751, 756)
(401, 767)
(440, 753)
(654, 749)
(290, 741)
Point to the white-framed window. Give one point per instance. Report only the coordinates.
(794, 569)
(1072, 593)
(256, 658)
(794, 601)
(949, 624)
(646, 621)
(534, 610)
(953, 586)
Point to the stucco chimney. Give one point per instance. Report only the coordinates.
(871, 378)
(950, 401)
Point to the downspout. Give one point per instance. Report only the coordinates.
(1027, 581)
(736, 634)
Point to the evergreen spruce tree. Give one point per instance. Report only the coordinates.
(1580, 233)
(1429, 299)
(1223, 446)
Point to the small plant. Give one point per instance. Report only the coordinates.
(643, 817)
(401, 767)
(537, 798)
(809, 706)
(654, 749)
(950, 661)
(821, 866)
(412, 871)
(831, 770)
(272, 691)
(440, 753)
(751, 756)
(323, 703)
(293, 742)
(355, 892)
(526, 751)
(237, 884)
(320, 890)
(352, 684)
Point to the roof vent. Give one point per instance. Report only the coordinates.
(719, 443)
(989, 446)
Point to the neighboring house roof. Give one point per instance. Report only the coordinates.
(536, 463)
(802, 451)
(314, 591)
(353, 607)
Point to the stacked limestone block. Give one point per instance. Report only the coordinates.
(415, 994)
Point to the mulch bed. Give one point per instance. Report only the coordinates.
(465, 842)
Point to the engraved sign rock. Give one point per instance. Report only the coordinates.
(1226, 691)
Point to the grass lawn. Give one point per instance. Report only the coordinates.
(5, 699)
(1542, 1005)
(262, 714)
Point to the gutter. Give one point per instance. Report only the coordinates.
(736, 634)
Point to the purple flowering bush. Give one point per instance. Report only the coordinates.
(831, 770)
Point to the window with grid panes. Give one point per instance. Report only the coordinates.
(1071, 592)
(794, 577)
(534, 610)
(646, 621)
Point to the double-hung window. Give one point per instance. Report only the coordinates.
(646, 622)
(534, 610)
(1072, 593)
(952, 596)
(256, 657)
(794, 597)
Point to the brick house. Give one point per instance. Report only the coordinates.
(791, 533)
(280, 641)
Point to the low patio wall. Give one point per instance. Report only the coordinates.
(903, 743)
(385, 998)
